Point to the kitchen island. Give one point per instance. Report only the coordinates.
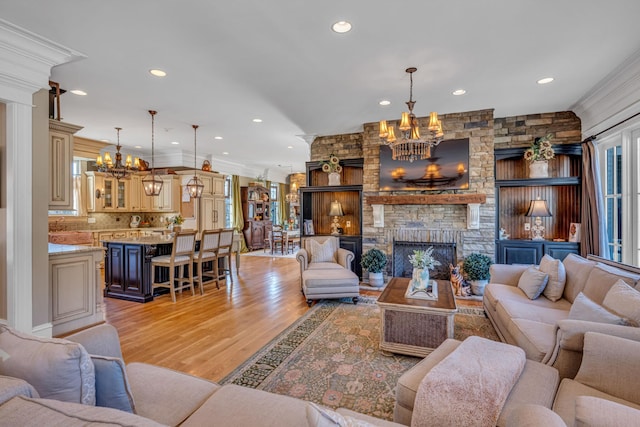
(127, 265)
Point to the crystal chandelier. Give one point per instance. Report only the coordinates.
(117, 170)
(151, 183)
(195, 185)
(411, 145)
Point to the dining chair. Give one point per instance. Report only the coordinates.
(224, 251)
(182, 252)
(205, 255)
(277, 239)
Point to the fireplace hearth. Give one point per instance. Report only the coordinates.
(443, 252)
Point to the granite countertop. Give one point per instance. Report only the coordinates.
(148, 240)
(55, 249)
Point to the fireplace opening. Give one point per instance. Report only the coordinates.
(443, 252)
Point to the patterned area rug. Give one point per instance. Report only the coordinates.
(330, 356)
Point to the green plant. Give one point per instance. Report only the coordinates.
(177, 220)
(540, 149)
(424, 259)
(374, 260)
(333, 165)
(476, 266)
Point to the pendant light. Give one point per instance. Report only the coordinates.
(195, 185)
(151, 183)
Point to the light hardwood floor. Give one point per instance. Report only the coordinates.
(210, 335)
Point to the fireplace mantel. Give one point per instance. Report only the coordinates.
(428, 199)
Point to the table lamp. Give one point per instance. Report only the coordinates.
(538, 209)
(335, 212)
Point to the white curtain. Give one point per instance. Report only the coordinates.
(78, 200)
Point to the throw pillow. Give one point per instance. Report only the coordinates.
(322, 252)
(58, 369)
(623, 300)
(112, 385)
(11, 387)
(532, 282)
(323, 417)
(557, 277)
(585, 309)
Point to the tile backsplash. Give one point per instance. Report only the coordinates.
(107, 221)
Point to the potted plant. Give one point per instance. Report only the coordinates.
(176, 223)
(374, 261)
(422, 261)
(476, 268)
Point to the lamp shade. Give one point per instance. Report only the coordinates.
(538, 208)
(336, 209)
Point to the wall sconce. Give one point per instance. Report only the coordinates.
(538, 209)
(99, 193)
(336, 211)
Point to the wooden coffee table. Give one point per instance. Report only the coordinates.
(415, 326)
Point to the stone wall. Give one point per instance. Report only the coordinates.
(445, 223)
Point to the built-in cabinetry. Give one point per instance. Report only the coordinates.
(256, 210)
(107, 194)
(60, 161)
(315, 204)
(514, 193)
(75, 284)
(208, 211)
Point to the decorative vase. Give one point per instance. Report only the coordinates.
(477, 286)
(539, 169)
(334, 178)
(420, 279)
(376, 279)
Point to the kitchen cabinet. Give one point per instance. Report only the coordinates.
(515, 191)
(211, 213)
(169, 198)
(106, 194)
(75, 285)
(138, 199)
(60, 164)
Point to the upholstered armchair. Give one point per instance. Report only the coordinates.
(318, 252)
(325, 269)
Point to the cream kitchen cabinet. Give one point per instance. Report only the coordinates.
(212, 213)
(138, 199)
(213, 182)
(106, 194)
(60, 161)
(169, 198)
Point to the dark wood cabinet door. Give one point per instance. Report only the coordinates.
(518, 252)
(114, 269)
(133, 269)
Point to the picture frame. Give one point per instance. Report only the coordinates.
(574, 232)
(308, 227)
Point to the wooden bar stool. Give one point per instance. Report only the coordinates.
(207, 253)
(224, 251)
(184, 245)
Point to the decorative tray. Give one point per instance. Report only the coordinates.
(430, 293)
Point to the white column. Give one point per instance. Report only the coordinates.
(19, 217)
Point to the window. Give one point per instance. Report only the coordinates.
(228, 203)
(619, 156)
(275, 206)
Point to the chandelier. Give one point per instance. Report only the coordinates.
(195, 185)
(151, 183)
(411, 145)
(292, 196)
(117, 170)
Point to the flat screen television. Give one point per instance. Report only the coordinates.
(446, 169)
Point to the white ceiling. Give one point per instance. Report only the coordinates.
(229, 62)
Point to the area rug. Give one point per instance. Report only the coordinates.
(331, 356)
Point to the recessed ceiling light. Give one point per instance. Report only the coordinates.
(157, 73)
(545, 80)
(175, 143)
(459, 92)
(217, 137)
(79, 92)
(138, 146)
(226, 153)
(257, 120)
(341, 27)
(290, 146)
(385, 102)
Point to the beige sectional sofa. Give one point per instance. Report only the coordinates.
(552, 332)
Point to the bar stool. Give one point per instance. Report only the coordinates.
(224, 250)
(184, 245)
(207, 253)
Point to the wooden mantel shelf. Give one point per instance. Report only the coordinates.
(428, 199)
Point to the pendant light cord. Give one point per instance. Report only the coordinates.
(195, 130)
(153, 113)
